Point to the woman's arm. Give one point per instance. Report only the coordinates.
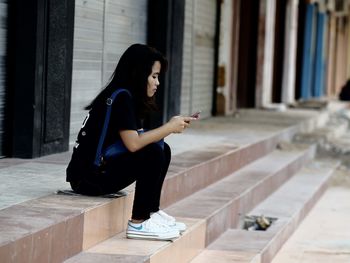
(134, 141)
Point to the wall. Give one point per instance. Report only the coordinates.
(103, 30)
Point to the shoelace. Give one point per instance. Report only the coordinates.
(162, 221)
(154, 224)
(166, 216)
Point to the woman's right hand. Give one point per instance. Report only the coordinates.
(179, 123)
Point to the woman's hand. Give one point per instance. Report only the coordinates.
(177, 124)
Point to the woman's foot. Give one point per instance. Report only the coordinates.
(151, 229)
(163, 218)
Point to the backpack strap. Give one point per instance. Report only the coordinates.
(109, 102)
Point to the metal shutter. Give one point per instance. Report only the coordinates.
(3, 24)
(103, 30)
(187, 61)
(198, 57)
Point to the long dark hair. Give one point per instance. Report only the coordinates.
(131, 73)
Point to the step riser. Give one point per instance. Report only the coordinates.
(232, 214)
(185, 249)
(106, 220)
(53, 244)
(67, 238)
(276, 244)
(180, 186)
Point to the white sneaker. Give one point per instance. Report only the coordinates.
(163, 218)
(150, 229)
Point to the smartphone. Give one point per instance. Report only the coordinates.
(196, 115)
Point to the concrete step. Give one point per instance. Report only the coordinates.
(53, 228)
(289, 205)
(194, 170)
(120, 249)
(36, 229)
(208, 212)
(56, 227)
(24, 224)
(224, 204)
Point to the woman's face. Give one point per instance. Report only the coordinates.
(152, 80)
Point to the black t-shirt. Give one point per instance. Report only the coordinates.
(123, 117)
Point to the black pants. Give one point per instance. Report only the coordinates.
(148, 167)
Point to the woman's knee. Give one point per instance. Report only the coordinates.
(155, 152)
(154, 149)
(167, 152)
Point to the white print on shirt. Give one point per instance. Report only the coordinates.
(82, 126)
(85, 120)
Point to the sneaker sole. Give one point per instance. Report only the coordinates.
(149, 237)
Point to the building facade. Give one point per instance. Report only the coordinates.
(55, 56)
(276, 52)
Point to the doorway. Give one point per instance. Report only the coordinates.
(248, 43)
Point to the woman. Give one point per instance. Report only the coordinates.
(146, 157)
